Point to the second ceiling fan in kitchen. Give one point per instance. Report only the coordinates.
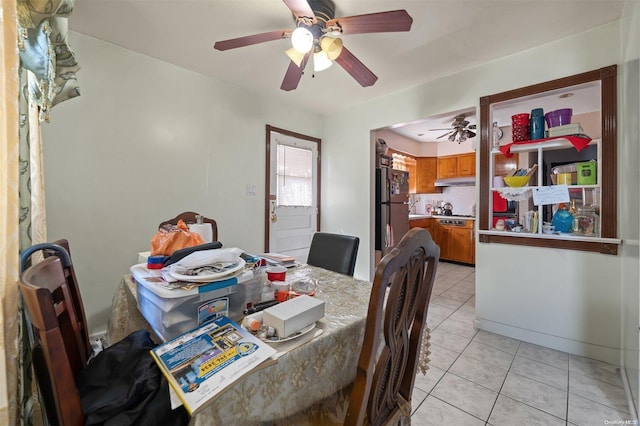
(317, 35)
(459, 131)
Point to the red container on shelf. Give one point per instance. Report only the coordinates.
(520, 127)
(520, 119)
(520, 133)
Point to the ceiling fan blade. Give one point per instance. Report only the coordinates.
(434, 130)
(252, 39)
(446, 134)
(294, 74)
(355, 68)
(381, 22)
(301, 8)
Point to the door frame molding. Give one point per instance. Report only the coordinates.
(267, 196)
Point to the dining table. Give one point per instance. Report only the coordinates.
(324, 364)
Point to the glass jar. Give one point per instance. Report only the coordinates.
(586, 221)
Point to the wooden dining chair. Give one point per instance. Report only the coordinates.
(393, 333)
(190, 217)
(74, 290)
(71, 386)
(335, 252)
(58, 352)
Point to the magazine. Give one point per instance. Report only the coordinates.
(201, 363)
(279, 259)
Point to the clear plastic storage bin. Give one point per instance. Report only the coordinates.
(174, 312)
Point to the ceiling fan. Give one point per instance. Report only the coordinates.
(460, 128)
(317, 35)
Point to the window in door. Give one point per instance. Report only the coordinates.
(295, 176)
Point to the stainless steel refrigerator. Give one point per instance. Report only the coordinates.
(392, 208)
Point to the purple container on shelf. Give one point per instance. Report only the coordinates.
(559, 117)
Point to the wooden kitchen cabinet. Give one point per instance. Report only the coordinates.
(440, 236)
(457, 243)
(460, 165)
(466, 164)
(447, 167)
(463, 241)
(426, 175)
(421, 223)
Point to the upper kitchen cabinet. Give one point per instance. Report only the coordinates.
(426, 174)
(467, 164)
(585, 155)
(461, 165)
(447, 167)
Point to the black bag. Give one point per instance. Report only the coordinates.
(123, 385)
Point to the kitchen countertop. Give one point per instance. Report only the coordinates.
(436, 216)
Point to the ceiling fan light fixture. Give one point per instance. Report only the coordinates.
(321, 61)
(452, 137)
(332, 47)
(302, 40)
(295, 56)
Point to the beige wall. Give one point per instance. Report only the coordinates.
(558, 298)
(150, 139)
(147, 140)
(629, 158)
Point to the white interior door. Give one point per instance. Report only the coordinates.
(292, 197)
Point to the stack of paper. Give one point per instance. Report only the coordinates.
(279, 259)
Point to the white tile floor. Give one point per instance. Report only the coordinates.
(481, 378)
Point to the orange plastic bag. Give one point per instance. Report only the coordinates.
(166, 241)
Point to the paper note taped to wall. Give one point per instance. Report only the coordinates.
(550, 194)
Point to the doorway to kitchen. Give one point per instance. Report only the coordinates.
(438, 153)
(292, 195)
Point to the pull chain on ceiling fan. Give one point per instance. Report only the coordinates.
(459, 129)
(317, 34)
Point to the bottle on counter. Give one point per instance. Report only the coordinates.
(497, 135)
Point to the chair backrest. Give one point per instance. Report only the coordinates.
(335, 252)
(74, 289)
(58, 349)
(393, 332)
(190, 217)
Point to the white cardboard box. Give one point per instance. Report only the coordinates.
(567, 129)
(293, 315)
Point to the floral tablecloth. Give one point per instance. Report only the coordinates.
(301, 377)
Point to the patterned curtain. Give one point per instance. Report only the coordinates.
(46, 77)
(9, 209)
(32, 227)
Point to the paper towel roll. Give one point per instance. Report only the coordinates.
(204, 229)
(498, 182)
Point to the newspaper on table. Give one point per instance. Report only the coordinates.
(201, 363)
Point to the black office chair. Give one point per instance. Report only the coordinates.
(335, 252)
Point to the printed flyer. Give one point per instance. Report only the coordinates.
(201, 363)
